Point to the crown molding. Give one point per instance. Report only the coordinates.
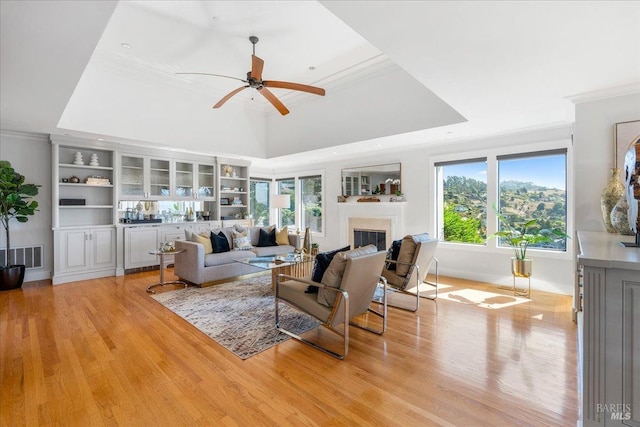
(598, 95)
(34, 136)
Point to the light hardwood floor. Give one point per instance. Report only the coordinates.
(102, 352)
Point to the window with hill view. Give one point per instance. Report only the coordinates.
(311, 192)
(530, 185)
(534, 186)
(463, 200)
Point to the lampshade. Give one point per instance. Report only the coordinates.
(280, 201)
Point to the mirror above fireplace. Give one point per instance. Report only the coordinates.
(370, 180)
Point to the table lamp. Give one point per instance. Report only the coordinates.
(280, 201)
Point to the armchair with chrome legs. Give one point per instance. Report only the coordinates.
(408, 272)
(336, 306)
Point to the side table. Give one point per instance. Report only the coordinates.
(161, 254)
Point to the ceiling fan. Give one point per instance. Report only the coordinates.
(254, 80)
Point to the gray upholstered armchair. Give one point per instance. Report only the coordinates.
(346, 292)
(408, 272)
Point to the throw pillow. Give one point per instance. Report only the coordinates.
(392, 254)
(320, 264)
(267, 238)
(219, 242)
(333, 275)
(241, 240)
(282, 236)
(408, 251)
(206, 242)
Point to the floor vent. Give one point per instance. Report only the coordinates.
(30, 256)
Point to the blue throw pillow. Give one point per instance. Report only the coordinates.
(393, 252)
(219, 242)
(322, 261)
(267, 238)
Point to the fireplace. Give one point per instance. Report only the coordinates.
(363, 231)
(370, 237)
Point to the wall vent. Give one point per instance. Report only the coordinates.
(30, 256)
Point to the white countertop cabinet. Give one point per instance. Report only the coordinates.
(610, 330)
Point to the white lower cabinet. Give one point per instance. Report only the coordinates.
(138, 242)
(84, 253)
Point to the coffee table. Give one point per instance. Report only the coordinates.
(291, 264)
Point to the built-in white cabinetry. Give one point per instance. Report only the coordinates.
(144, 177)
(610, 325)
(138, 242)
(83, 211)
(84, 253)
(233, 202)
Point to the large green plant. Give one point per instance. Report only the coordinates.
(519, 237)
(15, 201)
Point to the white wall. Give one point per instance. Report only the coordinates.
(593, 140)
(30, 155)
(551, 272)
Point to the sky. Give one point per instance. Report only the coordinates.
(547, 171)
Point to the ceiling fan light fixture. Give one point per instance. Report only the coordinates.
(254, 81)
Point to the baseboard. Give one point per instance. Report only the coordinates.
(66, 278)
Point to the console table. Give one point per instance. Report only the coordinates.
(609, 325)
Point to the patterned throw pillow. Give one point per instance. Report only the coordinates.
(241, 241)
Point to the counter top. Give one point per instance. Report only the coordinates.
(600, 249)
(163, 224)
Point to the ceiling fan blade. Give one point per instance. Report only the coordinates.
(257, 65)
(294, 86)
(274, 101)
(229, 95)
(216, 75)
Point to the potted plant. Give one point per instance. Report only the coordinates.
(15, 202)
(519, 237)
(314, 249)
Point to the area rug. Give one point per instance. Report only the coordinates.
(237, 315)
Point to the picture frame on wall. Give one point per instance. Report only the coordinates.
(224, 201)
(625, 133)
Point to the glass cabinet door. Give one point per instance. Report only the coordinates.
(205, 181)
(159, 174)
(184, 179)
(132, 176)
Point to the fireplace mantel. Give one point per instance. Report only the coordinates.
(355, 213)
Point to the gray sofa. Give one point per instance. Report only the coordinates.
(195, 267)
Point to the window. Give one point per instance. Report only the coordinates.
(311, 196)
(259, 193)
(287, 216)
(534, 186)
(462, 200)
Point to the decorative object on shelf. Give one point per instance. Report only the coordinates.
(368, 199)
(97, 180)
(93, 161)
(382, 188)
(224, 201)
(74, 180)
(228, 170)
(237, 201)
(16, 201)
(609, 197)
(78, 159)
(65, 180)
(342, 199)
